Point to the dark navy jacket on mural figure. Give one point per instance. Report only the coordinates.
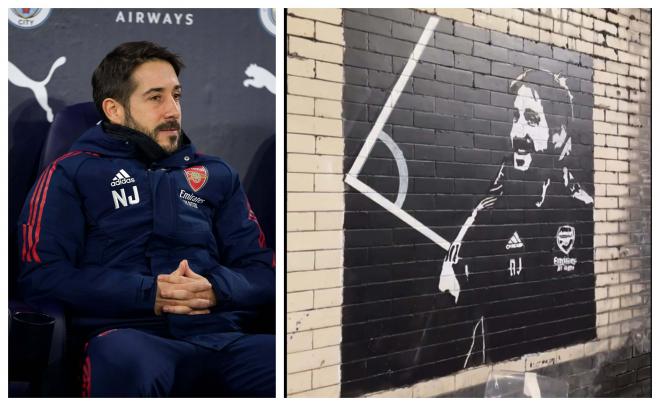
(521, 267)
(104, 220)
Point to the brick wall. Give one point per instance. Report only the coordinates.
(315, 201)
(608, 50)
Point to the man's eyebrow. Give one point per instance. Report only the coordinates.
(153, 90)
(159, 90)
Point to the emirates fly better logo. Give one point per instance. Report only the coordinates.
(196, 177)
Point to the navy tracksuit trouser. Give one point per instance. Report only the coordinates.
(134, 363)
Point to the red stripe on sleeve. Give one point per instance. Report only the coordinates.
(32, 251)
(34, 201)
(24, 244)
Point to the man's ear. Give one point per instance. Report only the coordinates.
(114, 111)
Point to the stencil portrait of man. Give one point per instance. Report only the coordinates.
(521, 264)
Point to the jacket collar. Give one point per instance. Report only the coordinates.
(120, 141)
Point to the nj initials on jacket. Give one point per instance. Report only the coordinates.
(119, 197)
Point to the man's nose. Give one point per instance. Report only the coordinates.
(518, 130)
(172, 109)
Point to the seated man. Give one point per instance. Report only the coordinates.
(135, 229)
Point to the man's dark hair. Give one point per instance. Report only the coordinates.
(112, 78)
(556, 98)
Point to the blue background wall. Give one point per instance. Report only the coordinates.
(221, 115)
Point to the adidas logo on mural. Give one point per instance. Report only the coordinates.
(514, 241)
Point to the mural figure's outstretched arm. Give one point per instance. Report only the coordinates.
(448, 281)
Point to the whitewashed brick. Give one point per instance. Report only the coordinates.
(328, 108)
(300, 67)
(329, 259)
(313, 319)
(298, 301)
(620, 315)
(523, 31)
(312, 359)
(616, 117)
(618, 19)
(329, 145)
(618, 290)
(315, 163)
(328, 298)
(328, 15)
(299, 182)
(329, 33)
(326, 376)
(326, 392)
(490, 22)
(315, 50)
(605, 52)
(299, 27)
(325, 337)
(471, 377)
(314, 88)
(406, 392)
(329, 71)
(300, 221)
(508, 13)
(434, 387)
(300, 143)
(305, 280)
(315, 201)
(604, 26)
(324, 182)
(616, 166)
(299, 382)
(311, 240)
(299, 261)
(314, 125)
(329, 220)
(606, 253)
(296, 342)
(299, 105)
(460, 14)
(607, 305)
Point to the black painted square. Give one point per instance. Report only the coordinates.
(495, 135)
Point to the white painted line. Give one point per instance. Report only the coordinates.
(401, 165)
(394, 97)
(377, 132)
(397, 211)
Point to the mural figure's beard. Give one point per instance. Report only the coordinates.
(522, 152)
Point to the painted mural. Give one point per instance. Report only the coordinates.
(469, 214)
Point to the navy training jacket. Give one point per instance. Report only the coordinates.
(100, 225)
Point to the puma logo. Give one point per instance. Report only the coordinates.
(19, 79)
(259, 77)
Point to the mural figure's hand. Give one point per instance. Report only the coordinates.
(486, 203)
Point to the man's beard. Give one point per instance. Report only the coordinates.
(522, 150)
(174, 141)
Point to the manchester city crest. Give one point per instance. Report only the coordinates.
(28, 18)
(267, 17)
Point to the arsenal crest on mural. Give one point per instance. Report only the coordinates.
(196, 177)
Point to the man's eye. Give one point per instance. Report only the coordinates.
(155, 98)
(177, 96)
